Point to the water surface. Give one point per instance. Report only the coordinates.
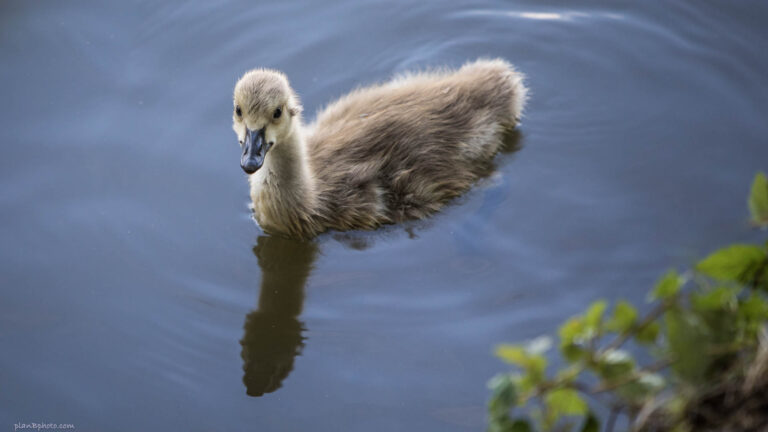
(137, 294)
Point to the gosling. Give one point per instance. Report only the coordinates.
(379, 155)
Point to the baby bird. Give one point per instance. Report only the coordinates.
(379, 155)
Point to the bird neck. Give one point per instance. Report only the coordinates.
(283, 190)
(292, 164)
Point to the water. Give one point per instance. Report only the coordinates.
(138, 295)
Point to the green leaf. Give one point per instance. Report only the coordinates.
(571, 333)
(737, 263)
(594, 315)
(520, 425)
(537, 365)
(761, 278)
(754, 308)
(500, 423)
(752, 314)
(571, 330)
(615, 364)
(667, 286)
(503, 397)
(758, 200)
(534, 365)
(715, 299)
(512, 354)
(565, 402)
(648, 334)
(624, 317)
(687, 339)
(572, 352)
(591, 423)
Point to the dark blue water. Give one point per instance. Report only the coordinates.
(137, 294)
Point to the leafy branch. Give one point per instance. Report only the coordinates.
(702, 332)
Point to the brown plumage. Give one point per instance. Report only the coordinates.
(381, 154)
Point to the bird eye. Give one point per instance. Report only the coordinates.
(277, 113)
(238, 111)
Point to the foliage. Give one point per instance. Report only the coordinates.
(758, 200)
(704, 333)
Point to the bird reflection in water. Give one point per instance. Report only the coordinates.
(273, 332)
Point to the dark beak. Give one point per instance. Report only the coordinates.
(254, 150)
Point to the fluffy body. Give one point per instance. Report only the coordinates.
(382, 154)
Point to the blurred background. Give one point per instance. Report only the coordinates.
(137, 294)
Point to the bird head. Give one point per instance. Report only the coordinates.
(265, 112)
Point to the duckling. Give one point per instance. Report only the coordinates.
(382, 154)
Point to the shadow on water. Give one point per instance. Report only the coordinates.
(511, 141)
(273, 333)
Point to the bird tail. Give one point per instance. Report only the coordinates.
(515, 79)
